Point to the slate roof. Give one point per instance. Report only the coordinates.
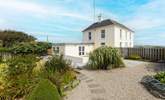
(105, 23)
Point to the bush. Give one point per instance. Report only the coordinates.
(134, 57)
(104, 58)
(1, 60)
(160, 76)
(39, 48)
(4, 49)
(45, 90)
(59, 72)
(57, 63)
(17, 77)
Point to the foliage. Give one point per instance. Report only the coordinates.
(2, 49)
(1, 43)
(160, 76)
(104, 58)
(57, 63)
(9, 37)
(59, 67)
(17, 78)
(45, 90)
(20, 75)
(134, 57)
(39, 48)
(1, 60)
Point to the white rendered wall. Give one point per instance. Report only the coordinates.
(96, 36)
(112, 36)
(124, 38)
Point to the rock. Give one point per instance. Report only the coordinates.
(154, 86)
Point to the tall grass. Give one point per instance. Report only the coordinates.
(105, 58)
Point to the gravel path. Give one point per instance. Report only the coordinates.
(117, 84)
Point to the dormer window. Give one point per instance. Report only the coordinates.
(89, 35)
(102, 34)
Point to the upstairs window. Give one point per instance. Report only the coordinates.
(130, 36)
(102, 34)
(81, 50)
(89, 35)
(126, 35)
(120, 34)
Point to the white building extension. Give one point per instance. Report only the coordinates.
(76, 52)
(104, 33)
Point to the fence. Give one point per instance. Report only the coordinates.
(151, 54)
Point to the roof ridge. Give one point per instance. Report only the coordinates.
(105, 22)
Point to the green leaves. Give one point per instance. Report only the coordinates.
(104, 58)
(9, 37)
(38, 48)
(57, 63)
(160, 76)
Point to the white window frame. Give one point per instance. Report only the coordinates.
(56, 50)
(120, 34)
(102, 34)
(89, 36)
(81, 50)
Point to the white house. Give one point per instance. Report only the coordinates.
(103, 33)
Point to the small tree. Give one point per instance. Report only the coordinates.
(10, 37)
(104, 58)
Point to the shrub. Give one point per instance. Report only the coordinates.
(57, 63)
(104, 58)
(39, 48)
(5, 49)
(45, 90)
(160, 76)
(134, 57)
(59, 72)
(1, 60)
(17, 77)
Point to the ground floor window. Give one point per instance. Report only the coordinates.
(103, 44)
(81, 50)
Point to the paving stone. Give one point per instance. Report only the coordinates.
(98, 98)
(90, 80)
(97, 91)
(93, 85)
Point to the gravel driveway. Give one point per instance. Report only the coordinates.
(116, 84)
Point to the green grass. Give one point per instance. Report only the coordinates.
(45, 90)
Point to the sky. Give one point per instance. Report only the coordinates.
(64, 20)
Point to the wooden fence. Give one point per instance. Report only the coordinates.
(151, 54)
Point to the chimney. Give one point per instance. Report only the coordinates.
(99, 18)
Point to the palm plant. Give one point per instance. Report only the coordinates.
(104, 58)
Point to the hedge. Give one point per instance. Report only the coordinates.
(45, 90)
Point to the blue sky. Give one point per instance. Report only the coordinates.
(63, 20)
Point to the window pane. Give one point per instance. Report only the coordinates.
(79, 48)
(102, 44)
(83, 48)
(89, 35)
(102, 33)
(120, 34)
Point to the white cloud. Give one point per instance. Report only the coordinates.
(148, 16)
(38, 9)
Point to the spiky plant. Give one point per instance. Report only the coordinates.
(104, 58)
